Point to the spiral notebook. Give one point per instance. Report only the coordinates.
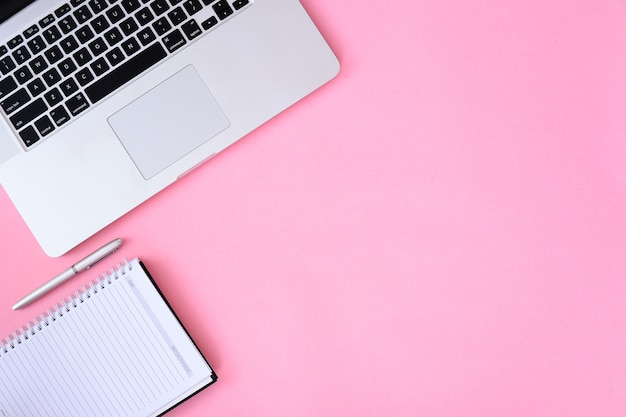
(114, 348)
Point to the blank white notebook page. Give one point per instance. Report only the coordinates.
(118, 352)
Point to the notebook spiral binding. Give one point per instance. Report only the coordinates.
(62, 307)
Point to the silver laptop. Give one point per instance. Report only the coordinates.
(106, 102)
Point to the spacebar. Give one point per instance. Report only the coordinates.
(125, 72)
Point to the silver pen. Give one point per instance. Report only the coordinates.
(79, 266)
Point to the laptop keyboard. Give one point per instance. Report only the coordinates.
(76, 56)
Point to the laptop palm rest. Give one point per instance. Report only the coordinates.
(168, 122)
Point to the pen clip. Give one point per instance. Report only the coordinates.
(101, 258)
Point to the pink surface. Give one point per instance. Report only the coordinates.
(440, 231)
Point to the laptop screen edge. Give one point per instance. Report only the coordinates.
(10, 7)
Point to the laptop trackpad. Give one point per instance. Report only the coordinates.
(168, 122)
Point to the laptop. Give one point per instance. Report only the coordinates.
(104, 103)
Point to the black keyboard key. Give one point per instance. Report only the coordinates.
(16, 41)
(222, 9)
(30, 31)
(82, 56)
(3, 50)
(52, 34)
(238, 4)
(29, 136)
(82, 14)
(21, 55)
(7, 85)
(28, 113)
(76, 2)
(69, 44)
(115, 14)
(192, 7)
(98, 5)
(46, 21)
(100, 24)
(191, 29)
(146, 36)
(98, 46)
(51, 77)
(7, 65)
(144, 16)
(67, 24)
(129, 26)
(159, 7)
(59, 115)
(84, 76)
(67, 66)
(130, 5)
(130, 46)
(84, 34)
(177, 16)
(53, 54)
(209, 23)
(23, 74)
(36, 44)
(53, 97)
(14, 102)
(77, 104)
(175, 2)
(99, 66)
(38, 64)
(113, 36)
(44, 126)
(174, 40)
(63, 10)
(115, 56)
(161, 26)
(35, 87)
(207, 2)
(125, 72)
(68, 87)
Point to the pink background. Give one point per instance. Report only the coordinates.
(439, 231)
